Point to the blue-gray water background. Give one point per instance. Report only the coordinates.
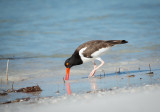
(38, 36)
(54, 28)
(41, 34)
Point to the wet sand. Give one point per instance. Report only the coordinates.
(79, 84)
(130, 96)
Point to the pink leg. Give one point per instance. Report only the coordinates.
(93, 71)
(95, 67)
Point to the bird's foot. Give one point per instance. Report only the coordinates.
(90, 76)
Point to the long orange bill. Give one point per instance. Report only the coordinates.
(67, 74)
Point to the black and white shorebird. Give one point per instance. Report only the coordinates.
(90, 51)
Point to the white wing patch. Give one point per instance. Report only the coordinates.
(84, 59)
(100, 52)
(94, 55)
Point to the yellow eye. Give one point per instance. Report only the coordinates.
(67, 64)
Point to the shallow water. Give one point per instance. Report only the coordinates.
(55, 86)
(38, 36)
(55, 28)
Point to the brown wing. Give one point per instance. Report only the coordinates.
(93, 46)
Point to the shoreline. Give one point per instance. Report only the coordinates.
(123, 99)
(81, 85)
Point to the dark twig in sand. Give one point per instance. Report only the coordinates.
(150, 70)
(17, 100)
(7, 71)
(119, 71)
(116, 72)
(12, 86)
(24, 90)
(29, 89)
(64, 80)
(131, 76)
(58, 90)
(150, 67)
(104, 73)
(139, 68)
(3, 93)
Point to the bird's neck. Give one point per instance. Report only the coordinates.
(76, 59)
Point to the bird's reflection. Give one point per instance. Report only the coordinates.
(68, 88)
(93, 84)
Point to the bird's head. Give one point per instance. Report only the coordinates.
(68, 64)
(72, 61)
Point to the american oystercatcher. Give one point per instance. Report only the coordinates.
(90, 51)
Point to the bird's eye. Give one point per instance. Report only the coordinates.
(67, 64)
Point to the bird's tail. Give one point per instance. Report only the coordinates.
(114, 42)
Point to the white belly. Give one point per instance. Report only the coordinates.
(100, 52)
(94, 55)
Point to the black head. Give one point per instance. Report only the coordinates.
(68, 63)
(73, 60)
